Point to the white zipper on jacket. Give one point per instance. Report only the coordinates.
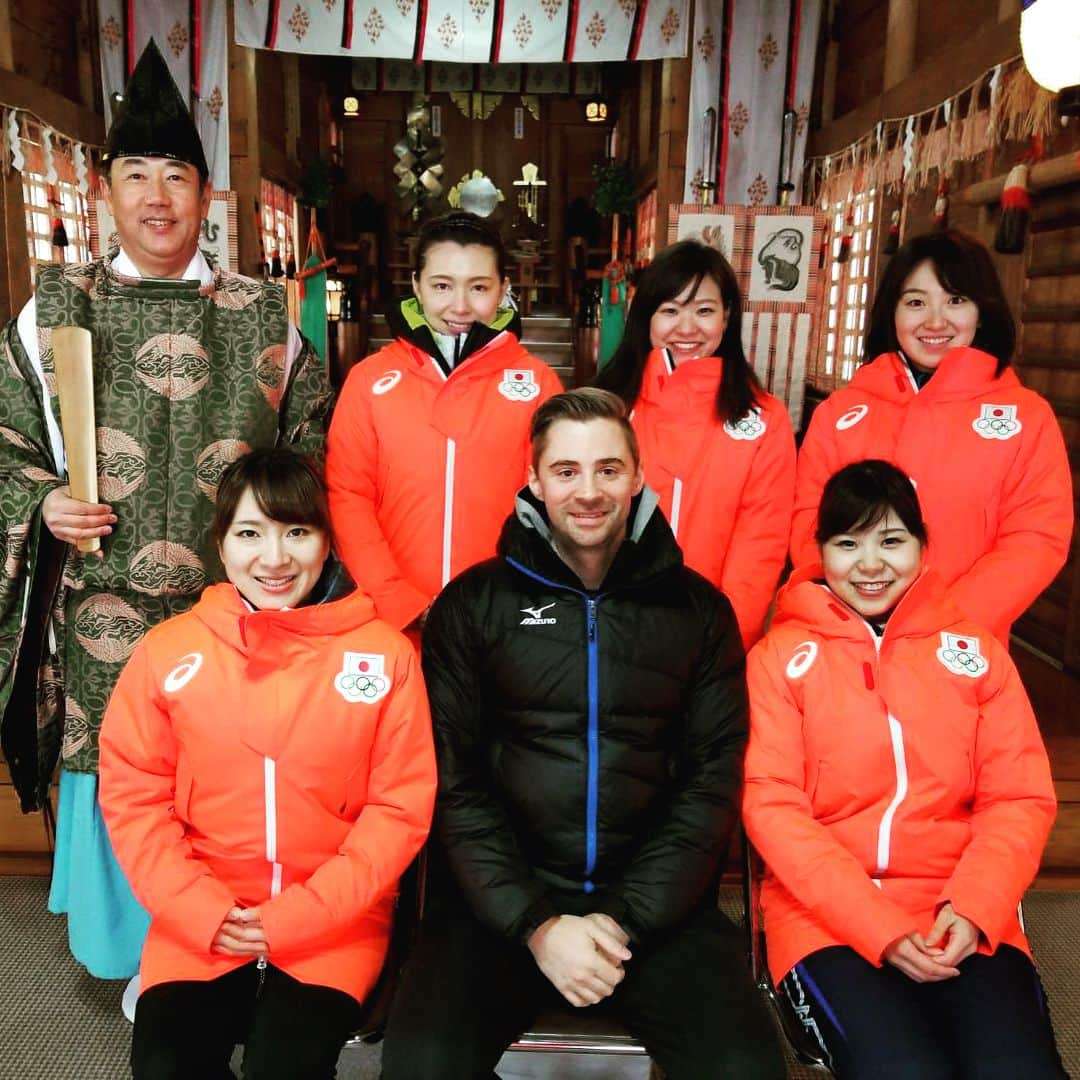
(448, 510)
(270, 804)
(448, 492)
(896, 739)
(676, 506)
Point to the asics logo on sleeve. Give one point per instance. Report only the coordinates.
(183, 673)
(386, 383)
(535, 616)
(851, 417)
(801, 659)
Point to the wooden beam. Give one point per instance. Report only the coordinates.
(940, 77)
(66, 116)
(1046, 174)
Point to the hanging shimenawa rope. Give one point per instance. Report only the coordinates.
(1019, 109)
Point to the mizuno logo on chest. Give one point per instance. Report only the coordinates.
(534, 616)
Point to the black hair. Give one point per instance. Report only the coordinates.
(582, 404)
(683, 264)
(963, 266)
(861, 494)
(459, 227)
(287, 485)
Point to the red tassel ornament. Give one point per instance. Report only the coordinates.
(59, 233)
(1015, 212)
(847, 236)
(941, 206)
(892, 240)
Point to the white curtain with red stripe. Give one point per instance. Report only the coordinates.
(193, 38)
(704, 129)
(752, 62)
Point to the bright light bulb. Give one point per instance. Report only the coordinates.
(1050, 41)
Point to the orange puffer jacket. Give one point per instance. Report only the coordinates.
(888, 775)
(423, 468)
(987, 459)
(279, 759)
(726, 488)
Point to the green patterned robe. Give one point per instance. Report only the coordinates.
(187, 377)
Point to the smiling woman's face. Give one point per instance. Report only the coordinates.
(870, 569)
(691, 324)
(274, 564)
(931, 320)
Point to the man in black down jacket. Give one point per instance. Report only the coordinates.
(590, 713)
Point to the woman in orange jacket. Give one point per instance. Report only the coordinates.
(429, 442)
(267, 774)
(938, 399)
(899, 793)
(716, 447)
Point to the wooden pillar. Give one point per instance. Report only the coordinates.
(15, 284)
(244, 163)
(7, 56)
(671, 141)
(832, 59)
(900, 41)
(291, 79)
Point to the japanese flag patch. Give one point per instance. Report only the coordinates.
(363, 677)
(961, 655)
(746, 428)
(997, 422)
(518, 385)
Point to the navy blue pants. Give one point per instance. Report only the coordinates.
(988, 1023)
(467, 993)
(188, 1030)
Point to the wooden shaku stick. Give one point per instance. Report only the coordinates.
(74, 363)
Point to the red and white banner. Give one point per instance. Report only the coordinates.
(469, 31)
(193, 38)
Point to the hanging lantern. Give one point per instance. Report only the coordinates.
(1050, 42)
(596, 111)
(333, 299)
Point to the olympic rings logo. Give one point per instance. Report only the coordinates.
(970, 663)
(523, 390)
(368, 687)
(748, 427)
(999, 429)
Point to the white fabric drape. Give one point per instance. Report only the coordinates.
(470, 31)
(170, 23)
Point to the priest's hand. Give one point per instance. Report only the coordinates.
(71, 520)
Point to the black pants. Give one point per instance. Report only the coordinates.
(188, 1030)
(990, 1022)
(467, 993)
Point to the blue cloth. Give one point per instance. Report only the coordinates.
(106, 924)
